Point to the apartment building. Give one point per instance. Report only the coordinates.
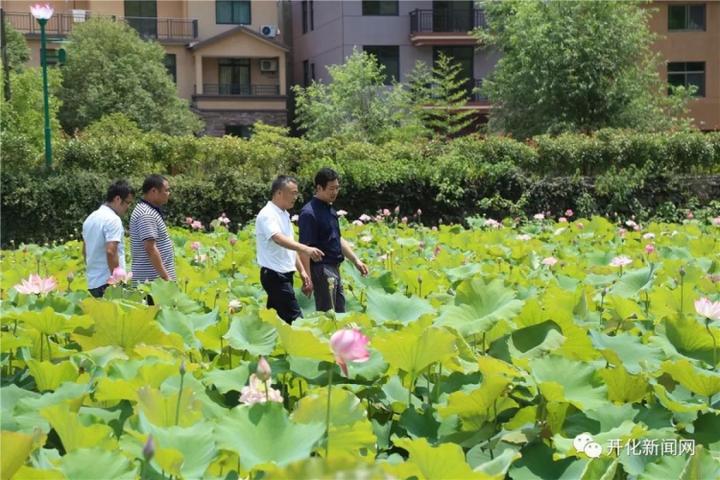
(398, 33)
(689, 45)
(401, 32)
(228, 57)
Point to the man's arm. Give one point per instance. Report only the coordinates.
(155, 259)
(111, 252)
(348, 253)
(290, 244)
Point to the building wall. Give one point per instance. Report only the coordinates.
(692, 46)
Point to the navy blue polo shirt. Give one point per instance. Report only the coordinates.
(320, 228)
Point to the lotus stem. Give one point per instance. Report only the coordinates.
(327, 413)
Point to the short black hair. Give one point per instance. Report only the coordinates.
(324, 176)
(280, 182)
(119, 188)
(153, 181)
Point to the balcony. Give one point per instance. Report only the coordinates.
(255, 90)
(181, 30)
(445, 27)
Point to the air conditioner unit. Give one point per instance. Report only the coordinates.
(268, 65)
(79, 16)
(270, 31)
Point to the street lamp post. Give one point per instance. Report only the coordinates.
(42, 14)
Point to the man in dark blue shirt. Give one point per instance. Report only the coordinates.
(320, 228)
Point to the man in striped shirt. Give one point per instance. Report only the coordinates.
(151, 245)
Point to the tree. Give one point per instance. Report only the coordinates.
(18, 52)
(440, 95)
(111, 69)
(573, 66)
(356, 104)
(22, 130)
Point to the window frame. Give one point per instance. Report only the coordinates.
(172, 72)
(388, 75)
(686, 25)
(232, 20)
(701, 92)
(366, 4)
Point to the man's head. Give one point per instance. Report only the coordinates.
(327, 185)
(156, 189)
(284, 191)
(119, 196)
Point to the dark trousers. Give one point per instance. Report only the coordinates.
(280, 292)
(98, 292)
(325, 299)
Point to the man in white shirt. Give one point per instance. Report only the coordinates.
(276, 250)
(103, 237)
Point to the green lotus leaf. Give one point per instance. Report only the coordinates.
(561, 379)
(629, 351)
(446, 461)
(49, 376)
(227, 380)
(73, 434)
(698, 381)
(86, 463)
(413, 350)
(16, 447)
(186, 324)
(251, 334)
(635, 281)
(385, 307)
(263, 433)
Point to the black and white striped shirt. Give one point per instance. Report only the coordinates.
(146, 222)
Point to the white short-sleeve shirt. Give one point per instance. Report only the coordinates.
(100, 227)
(270, 221)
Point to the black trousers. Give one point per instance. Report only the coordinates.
(98, 292)
(280, 292)
(324, 299)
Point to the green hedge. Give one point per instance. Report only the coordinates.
(610, 172)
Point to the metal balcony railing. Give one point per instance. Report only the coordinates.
(446, 21)
(61, 24)
(240, 90)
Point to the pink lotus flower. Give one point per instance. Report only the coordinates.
(562, 220)
(690, 215)
(397, 210)
(195, 245)
(189, 220)
(263, 371)
(341, 213)
(234, 306)
(539, 216)
(524, 237)
(119, 276)
(716, 221)
(365, 218)
(349, 345)
(35, 284)
(223, 219)
(433, 228)
(648, 236)
(255, 392)
(708, 309)
(41, 11)
(621, 232)
(569, 213)
(419, 212)
(621, 261)
(233, 241)
(631, 223)
(649, 248)
(404, 220)
(358, 223)
(196, 225)
(200, 258)
(550, 261)
(492, 223)
(386, 212)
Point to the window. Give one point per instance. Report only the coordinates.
(686, 17)
(312, 71)
(171, 65)
(465, 57)
(688, 74)
(306, 73)
(389, 57)
(243, 131)
(235, 12)
(234, 76)
(142, 16)
(382, 7)
(308, 16)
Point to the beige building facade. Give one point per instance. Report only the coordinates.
(228, 58)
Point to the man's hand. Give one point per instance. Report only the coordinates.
(362, 268)
(307, 286)
(314, 253)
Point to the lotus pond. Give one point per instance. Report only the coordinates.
(542, 350)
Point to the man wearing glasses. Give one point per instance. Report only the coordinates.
(103, 237)
(320, 228)
(276, 250)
